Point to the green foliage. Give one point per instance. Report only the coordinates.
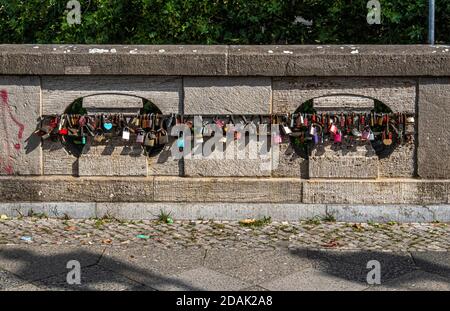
(219, 22)
(76, 107)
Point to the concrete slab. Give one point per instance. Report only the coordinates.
(352, 265)
(315, 280)
(255, 267)
(219, 211)
(385, 213)
(416, 281)
(33, 263)
(92, 278)
(434, 262)
(203, 279)
(9, 280)
(153, 267)
(51, 209)
(24, 288)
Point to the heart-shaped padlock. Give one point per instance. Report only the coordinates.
(180, 143)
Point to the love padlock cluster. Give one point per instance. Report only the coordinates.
(152, 130)
(148, 129)
(351, 128)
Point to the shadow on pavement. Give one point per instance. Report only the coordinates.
(353, 265)
(50, 271)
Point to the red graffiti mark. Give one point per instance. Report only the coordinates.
(6, 111)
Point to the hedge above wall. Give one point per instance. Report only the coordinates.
(220, 22)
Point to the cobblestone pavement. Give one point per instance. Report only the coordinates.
(220, 255)
(212, 234)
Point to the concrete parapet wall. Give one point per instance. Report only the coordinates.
(40, 80)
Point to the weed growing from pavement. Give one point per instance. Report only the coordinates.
(313, 221)
(165, 217)
(256, 222)
(42, 215)
(329, 218)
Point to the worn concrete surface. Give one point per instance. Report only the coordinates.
(235, 60)
(433, 151)
(224, 189)
(58, 92)
(289, 93)
(227, 95)
(233, 211)
(20, 151)
(205, 255)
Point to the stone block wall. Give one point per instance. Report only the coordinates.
(225, 80)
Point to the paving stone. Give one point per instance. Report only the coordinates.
(26, 288)
(92, 278)
(312, 233)
(312, 279)
(34, 263)
(255, 267)
(9, 280)
(418, 280)
(354, 263)
(434, 262)
(255, 288)
(203, 279)
(151, 266)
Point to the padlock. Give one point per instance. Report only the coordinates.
(365, 135)
(150, 139)
(356, 133)
(277, 139)
(126, 134)
(312, 130)
(136, 121)
(380, 120)
(286, 130)
(83, 137)
(410, 120)
(140, 135)
(180, 143)
(163, 137)
(107, 124)
(99, 137)
(388, 139)
(338, 137)
(333, 128)
(342, 121)
(219, 123)
(47, 127)
(292, 120)
(305, 121)
(316, 138)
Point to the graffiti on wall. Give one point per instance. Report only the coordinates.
(8, 145)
